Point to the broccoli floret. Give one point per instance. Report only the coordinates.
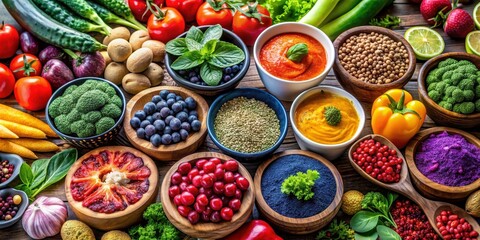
(90, 101)
(116, 100)
(53, 109)
(441, 87)
(103, 125)
(447, 75)
(456, 107)
(62, 124)
(467, 107)
(91, 84)
(449, 90)
(446, 105)
(432, 77)
(471, 69)
(466, 84)
(469, 95)
(457, 95)
(82, 128)
(332, 115)
(477, 105)
(451, 100)
(477, 91)
(110, 91)
(432, 86)
(79, 91)
(69, 90)
(447, 62)
(464, 63)
(435, 96)
(455, 79)
(67, 104)
(74, 116)
(111, 110)
(92, 117)
(102, 86)
(170, 233)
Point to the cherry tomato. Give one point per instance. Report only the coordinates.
(188, 8)
(24, 65)
(9, 40)
(140, 10)
(7, 81)
(211, 13)
(165, 25)
(249, 25)
(32, 93)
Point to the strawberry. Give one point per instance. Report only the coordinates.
(431, 8)
(459, 23)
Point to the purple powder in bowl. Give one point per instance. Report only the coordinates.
(448, 159)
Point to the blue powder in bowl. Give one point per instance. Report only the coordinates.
(288, 205)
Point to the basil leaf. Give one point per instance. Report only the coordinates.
(193, 45)
(211, 74)
(372, 235)
(387, 233)
(26, 175)
(364, 221)
(176, 47)
(195, 34)
(297, 52)
(226, 55)
(57, 168)
(39, 169)
(213, 32)
(208, 48)
(187, 61)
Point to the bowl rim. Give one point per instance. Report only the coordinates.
(330, 59)
(300, 98)
(391, 34)
(17, 162)
(336, 175)
(21, 210)
(211, 118)
(426, 68)
(240, 75)
(60, 91)
(411, 149)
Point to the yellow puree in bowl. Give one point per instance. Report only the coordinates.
(310, 118)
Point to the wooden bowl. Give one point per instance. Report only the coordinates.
(119, 219)
(207, 230)
(440, 115)
(173, 151)
(428, 187)
(298, 225)
(368, 92)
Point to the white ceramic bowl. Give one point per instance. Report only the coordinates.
(287, 90)
(329, 151)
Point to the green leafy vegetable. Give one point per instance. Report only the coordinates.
(364, 221)
(387, 233)
(378, 203)
(386, 22)
(336, 230)
(205, 50)
(45, 172)
(332, 115)
(155, 226)
(288, 10)
(372, 235)
(297, 52)
(300, 184)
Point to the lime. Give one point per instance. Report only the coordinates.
(472, 43)
(476, 15)
(426, 43)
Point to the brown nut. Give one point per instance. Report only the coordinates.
(134, 83)
(158, 49)
(138, 38)
(118, 32)
(114, 72)
(155, 73)
(119, 50)
(139, 60)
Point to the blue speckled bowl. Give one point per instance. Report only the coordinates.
(21, 209)
(17, 163)
(260, 95)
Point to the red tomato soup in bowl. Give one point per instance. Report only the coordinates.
(293, 56)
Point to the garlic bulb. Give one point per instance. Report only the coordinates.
(44, 217)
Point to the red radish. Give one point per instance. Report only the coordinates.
(431, 8)
(459, 23)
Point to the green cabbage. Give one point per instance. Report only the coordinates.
(288, 10)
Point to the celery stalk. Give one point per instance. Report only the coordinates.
(319, 12)
(342, 7)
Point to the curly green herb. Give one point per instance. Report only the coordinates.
(301, 184)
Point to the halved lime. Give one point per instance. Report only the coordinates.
(426, 42)
(472, 43)
(476, 15)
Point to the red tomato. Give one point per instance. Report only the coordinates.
(211, 13)
(166, 26)
(24, 65)
(188, 8)
(32, 93)
(249, 25)
(9, 40)
(7, 81)
(140, 10)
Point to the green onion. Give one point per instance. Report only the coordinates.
(319, 12)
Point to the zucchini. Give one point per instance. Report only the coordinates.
(32, 19)
(120, 8)
(82, 8)
(342, 7)
(59, 13)
(359, 15)
(109, 17)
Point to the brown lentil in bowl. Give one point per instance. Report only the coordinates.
(374, 58)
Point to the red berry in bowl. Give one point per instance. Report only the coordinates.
(187, 198)
(193, 217)
(242, 183)
(216, 204)
(226, 213)
(231, 165)
(184, 168)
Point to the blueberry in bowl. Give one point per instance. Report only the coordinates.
(208, 60)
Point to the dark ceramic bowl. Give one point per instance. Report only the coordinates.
(257, 94)
(227, 36)
(23, 206)
(17, 163)
(93, 141)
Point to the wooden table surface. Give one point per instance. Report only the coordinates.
(410, 15)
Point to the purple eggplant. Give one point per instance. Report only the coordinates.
(87, 64)
(57, 73)
(51, 52)
(29, 43)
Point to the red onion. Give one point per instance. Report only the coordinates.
(44, 217)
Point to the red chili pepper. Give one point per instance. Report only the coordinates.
(254, 230)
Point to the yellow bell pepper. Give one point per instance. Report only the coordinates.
(397, 117)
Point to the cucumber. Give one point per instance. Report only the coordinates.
(32, 19)
(82, 8)
(59, 13)
(120, 8)
(109, 17)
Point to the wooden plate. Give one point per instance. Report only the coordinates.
(207, 230)
(173, 151)
(299, 225)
